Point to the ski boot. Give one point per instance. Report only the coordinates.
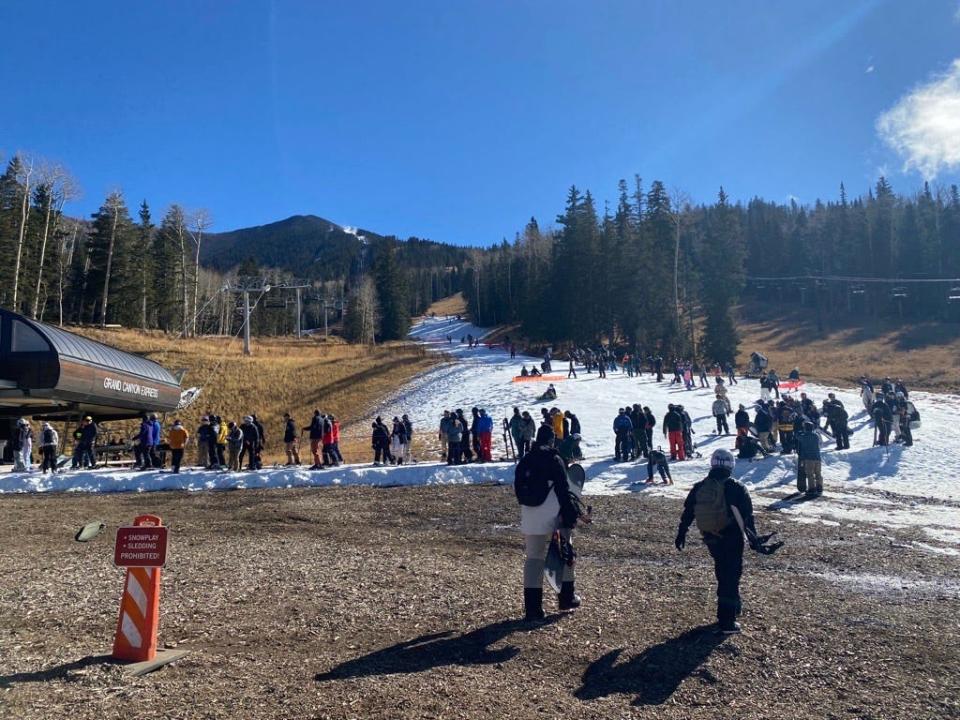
(568, 599)
(533, 604)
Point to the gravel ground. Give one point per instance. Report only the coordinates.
(401, 603)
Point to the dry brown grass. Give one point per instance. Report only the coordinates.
(925, 355)
(282, 375)
(453, 305)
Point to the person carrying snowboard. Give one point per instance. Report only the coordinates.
(546, 504)
(723, 511)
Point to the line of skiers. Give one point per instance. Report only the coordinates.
(633, 433)
(465, 441)
(520, 431)
(392, 445)
(891, 410)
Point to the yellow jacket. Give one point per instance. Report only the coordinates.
(557, 421)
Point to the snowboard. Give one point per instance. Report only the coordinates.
(561, 552)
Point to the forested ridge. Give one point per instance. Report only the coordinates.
(652, 271)
(656, 272)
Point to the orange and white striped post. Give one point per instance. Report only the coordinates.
(142, 549)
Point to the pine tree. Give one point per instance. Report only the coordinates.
(722, 255)
(145, 252)
(391, 287)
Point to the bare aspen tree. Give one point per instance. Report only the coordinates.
(68, 242)
(24, 177)
(200, 221)
(60, 187)
(114, 202)
(679, 202)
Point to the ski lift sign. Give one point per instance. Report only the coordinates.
(141, 546)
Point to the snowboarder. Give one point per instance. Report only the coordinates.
(722, 509)
(657, 459)
(546, 504)
(741, 421)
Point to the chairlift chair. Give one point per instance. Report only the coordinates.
(953, 295)
(898, 293)
(857, 289)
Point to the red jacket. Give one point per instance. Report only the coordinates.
(333, 434)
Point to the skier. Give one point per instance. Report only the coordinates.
(731, 372)
(723, 512)
(451, 430)
(774, 380)
(515, 424)
(177, 440)
(234, 446)
(866, 393)
(720, 415)
(546, 504)
(689, 447)
(837, 421)
(721, 393)
(764, 421)
(639, 421)
(764, 388)
(622, 428)
(882, 418)
(658, 367)
(251, 441)
(571, 370)
(466, 454)
(484, 427)
(528, 431)
(261, 441)
(741, 421)
(658, 460)
(785, 420)
(673, 431)
(398, 441)
(380, 442)
(810, 479)
(315, 430)
(23, 455)
(49, 439)
(291, 441)
(649, 425)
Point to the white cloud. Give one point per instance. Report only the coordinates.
(923, 127)
(956, 15)
(870, 69)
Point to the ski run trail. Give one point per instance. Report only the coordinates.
(893, 487)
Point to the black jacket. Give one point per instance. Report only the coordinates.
(736, 495)
(673, 421)
(289, 431)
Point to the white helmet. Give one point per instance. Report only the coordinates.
(723, 459)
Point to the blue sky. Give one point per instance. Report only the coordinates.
(458, 120)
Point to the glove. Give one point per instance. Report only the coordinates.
(681, 540)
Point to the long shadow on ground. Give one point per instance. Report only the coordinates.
(437, 650)
(58, 672)
(653, 675)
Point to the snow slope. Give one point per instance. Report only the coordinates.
(900, 487)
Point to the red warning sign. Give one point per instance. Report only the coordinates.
(143, 546)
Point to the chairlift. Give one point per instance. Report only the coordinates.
(275, 305)
(898, 293)
(761, 286)
(857, 289)
(953, 295)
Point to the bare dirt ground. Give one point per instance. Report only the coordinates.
(402, 603)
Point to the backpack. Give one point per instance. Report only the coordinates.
(711, 511)
(530, 491)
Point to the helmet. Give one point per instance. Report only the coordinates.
(723, 459)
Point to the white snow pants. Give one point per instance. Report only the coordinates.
(537, 546)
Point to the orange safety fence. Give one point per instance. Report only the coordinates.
(535, 378)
